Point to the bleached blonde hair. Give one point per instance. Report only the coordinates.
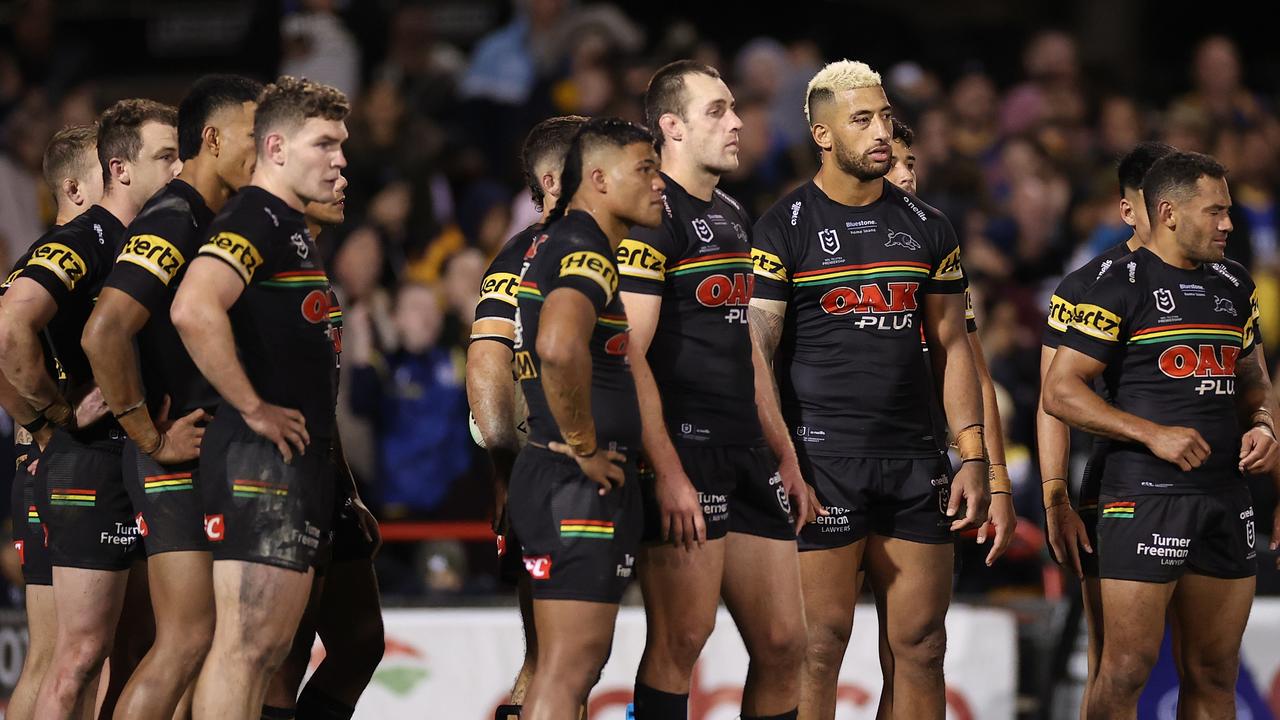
(836, 77)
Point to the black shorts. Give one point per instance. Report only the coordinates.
(902, 498)
(257, 508)
(577, 544)
(166, 501)
(739, 489)
(91, 521)
(30, 535)
(1157, 538)
(1087, 507)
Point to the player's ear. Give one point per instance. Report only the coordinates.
(70, 189)
(275, 148)
(600, 180)
(119, 171)
(1168, 214)
(210, 138)
(671, 126)
(1127, 212)
(550, 183)
(821, 136)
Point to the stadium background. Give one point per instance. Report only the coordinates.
(1020, 113)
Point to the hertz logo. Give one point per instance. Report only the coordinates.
(1061, 313)
(640, 260)
(236, 250)
(768, 265)
(60, 260)
(1097, 322)
(950, 268)
(500, 286)
(525, 369)
(153, 254)
(594, 267)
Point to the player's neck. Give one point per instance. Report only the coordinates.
(201, 174)
(1166, 248)
(116, 201)
(67, 211)
(275, 184)
(612, 226)
(691, 176)
(846, 189)
(1134, 242)
(313, 229)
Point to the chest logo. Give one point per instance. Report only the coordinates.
(902, 240)
(1224, 305)
(829, 239)
(300, 245)
(703, 229)
(1164, 300)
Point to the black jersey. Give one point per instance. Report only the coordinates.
(166, 234)
(699, 262)
(849, 361)
(282, 320)
(51, 364)
(575, 253)
(1062, 306)
(498, 289)
(72, 263)
(1170, 339)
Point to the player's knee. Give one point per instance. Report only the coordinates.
(1216, 676)
(824, 649)
(683, 643)
(922, 650)
(781, 646)
(1126, 669)
(83, 654)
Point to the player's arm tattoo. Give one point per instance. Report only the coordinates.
(491, 393)
(766, 319)
(563, 345)
(1253, 387)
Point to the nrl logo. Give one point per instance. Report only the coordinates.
(902, 240)
(830, 241)
(1164, 300)
(703, 230)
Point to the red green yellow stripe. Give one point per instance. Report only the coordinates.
(869, 271)
(167, 483)
(529, 290)
(1179, 333)
(32, 514)
(719, 261)
(581, 528)
(298, 278)
(75, 497)
(1119, 509)
(617, 322)
(255, 488)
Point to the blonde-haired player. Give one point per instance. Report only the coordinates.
(849, 270)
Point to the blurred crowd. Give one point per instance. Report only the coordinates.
(1025, 171)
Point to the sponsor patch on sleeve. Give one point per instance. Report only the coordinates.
(768, 265)
(60, 260)
(235, 250)
(640, 260)
(500, 286)
(1060, 314)
(594, 267)
(1251, 325)
(969, 313)
(1096, 322)
(949, 269)
(153, 254)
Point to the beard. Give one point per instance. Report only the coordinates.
(860, 166)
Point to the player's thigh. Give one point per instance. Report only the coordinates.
(762, 589)
(88, 602)
(573, 635)
(182, 587)
(913, 584)
(258, 603)
(828, 585)
(681, 587)
(1133, 618)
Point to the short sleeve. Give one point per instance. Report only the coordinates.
(643, 257)
(246, 248)
(498, 288)
(62, 265)
(774, 262)
(146, 268)
(947, 275)
(584, 268)
(1100, 324)
(1253, 325)
(1062, 308)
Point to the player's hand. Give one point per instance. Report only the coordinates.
(91, 408)
(970, 489)
(368, 523)
(1005, 521)
(1258, 451)
(1181, 446)
(1067, 535)
(603, 467)
(179, 440)
(805, 507)
(284, 427)
(680, 507)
